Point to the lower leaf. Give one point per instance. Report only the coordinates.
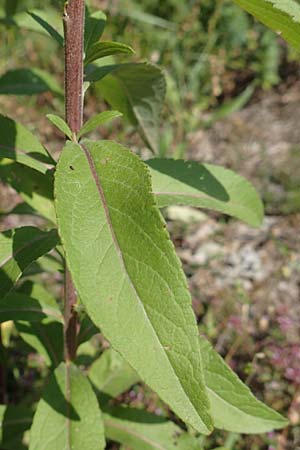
(68, 416)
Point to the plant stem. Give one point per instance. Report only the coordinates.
(73, 20)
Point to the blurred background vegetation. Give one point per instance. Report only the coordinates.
(233, 98)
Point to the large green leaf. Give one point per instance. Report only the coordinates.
(45, 337)
(282, 16)
(143, 431)
(233, 406)
(14, 421)
(127, 274)
(18, 249)
(68, 415)
(111, 374)
(205, 186)
(106, 48)
(28, 82)
(17, 306)
(138, 92)
(35, 188)
(17, 143)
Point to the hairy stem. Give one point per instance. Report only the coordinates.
(74, 34)
(3, 387)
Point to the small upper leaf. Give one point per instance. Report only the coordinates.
(233, 406)
(68, 416)
(137, 91)
(97, 120)
(282, 16)
(47, 27)
(205, 186)
(18, 249)
(127, 274)
(60, 124)
(17, 143)
(106, 48)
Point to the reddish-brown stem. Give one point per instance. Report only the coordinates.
(74, 34)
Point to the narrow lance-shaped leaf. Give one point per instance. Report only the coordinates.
(36, 19)
(19, 144)
(282, 16)
(111, 374)
(106, 48)
(48, 28)
(16, 306)
(59, 123)
(127, 274)
(233, 406)
(137, 91)
(143, 431)
(18, 249)
(205, 186)
(97, 120)
(68, 416)
(28, 82)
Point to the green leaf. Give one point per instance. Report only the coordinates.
(68, 415)
(205, 186)
(94, 73)
(28, 82)
(138, 92)
(35, 188)
(14, 421)
(97, 120)
(11, 7)
(87, 330)
(282, 16)
(17, 306)
(37, 19)
(48, 28)
(18, 144)
(233, 406)
(45, 337)
(111, 374)
(106, 48)
(18, 249)
(127, 273)
(59, 123)
(143, 431)
(94, 27)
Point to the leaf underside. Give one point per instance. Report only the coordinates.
(127, 274)
(205, 186)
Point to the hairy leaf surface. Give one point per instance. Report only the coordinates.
(17, 143)
(143, 431)
(205, 186)
(18, 249)
(127, 274)
(233, 406)
(68, 416)
(282, 16)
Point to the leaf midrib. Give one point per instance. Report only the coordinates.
(119, 252)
